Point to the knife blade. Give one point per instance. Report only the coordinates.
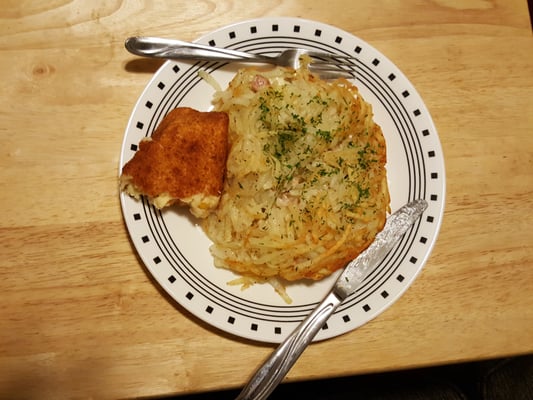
(274, 369)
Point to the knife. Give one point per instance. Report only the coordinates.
(274, 369)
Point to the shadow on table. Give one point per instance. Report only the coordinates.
(500, 379)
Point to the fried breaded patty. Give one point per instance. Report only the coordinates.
(183, 162)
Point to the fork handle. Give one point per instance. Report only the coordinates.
(178, 50)
(274, 369)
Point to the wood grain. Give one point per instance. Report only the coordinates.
(81, 317)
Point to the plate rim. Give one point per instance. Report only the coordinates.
(286, 20)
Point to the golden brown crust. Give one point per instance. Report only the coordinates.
(185, 157)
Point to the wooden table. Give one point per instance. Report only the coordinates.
(81, 318)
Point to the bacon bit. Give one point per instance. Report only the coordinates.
(259, 82)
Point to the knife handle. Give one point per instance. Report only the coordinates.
(274, 369)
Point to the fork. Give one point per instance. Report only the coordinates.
(324, 64)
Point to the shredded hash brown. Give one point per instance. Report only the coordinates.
(306, 187)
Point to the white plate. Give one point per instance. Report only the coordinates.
(175, 249)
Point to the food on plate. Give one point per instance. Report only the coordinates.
(306, 186)
(183, 162)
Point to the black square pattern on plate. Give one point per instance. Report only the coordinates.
(255, 326)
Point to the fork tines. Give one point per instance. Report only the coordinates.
(329, 71)
(335, 65)
(331, 57)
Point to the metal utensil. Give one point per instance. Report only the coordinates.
(322, 63)
(270, 374)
